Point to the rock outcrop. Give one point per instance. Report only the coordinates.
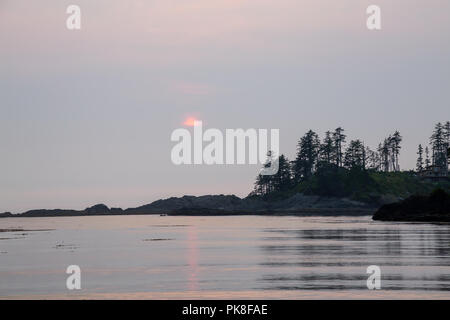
(230, 204)
(221, 205)
(6, 214)
(98, 209)
(432, 208)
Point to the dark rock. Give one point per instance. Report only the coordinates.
(231, 204)
(50, 213)
(432, 208)
(217, 203)
(97, 209)
(6, 214)
(116, 210)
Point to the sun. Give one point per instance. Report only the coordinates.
(190, 121)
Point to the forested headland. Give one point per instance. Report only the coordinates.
(335, 167)
(328, 176)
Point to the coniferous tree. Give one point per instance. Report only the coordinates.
(427, 157)
(380, 157)
(395, 146)
(389, 152)
(307, 155)
(447, 142)
(258, 188)
(355, 155)
(265, 183)
(338, 140)
(384, 151)
(326, 149)
(447, 133)
(282, 179)
(437, 141)
(419, 164)
(371, 159)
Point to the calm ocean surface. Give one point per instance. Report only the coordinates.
(248, 257)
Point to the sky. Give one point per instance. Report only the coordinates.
(86, 115)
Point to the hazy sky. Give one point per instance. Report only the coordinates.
(86, 116)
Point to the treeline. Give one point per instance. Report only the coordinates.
(333, 157)
(440, 144)
(332, 152)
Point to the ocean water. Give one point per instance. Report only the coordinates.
(233, 257)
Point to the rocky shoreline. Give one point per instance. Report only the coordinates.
(298, 204)
(432, 208)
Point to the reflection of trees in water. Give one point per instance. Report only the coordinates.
(442, 245)
(337, 259)
(334, 242)
(361, 234)
(428, 244)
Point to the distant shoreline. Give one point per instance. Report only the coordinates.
(218, 205)
(305, 212)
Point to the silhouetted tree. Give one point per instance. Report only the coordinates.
(372, 160)
(383, 149)
(396, 139)
(355, 156)
(338, 140)
(427, 157)
(307, 155)
(326, 149)
(447, 133)
(437, 142)
(265, 183)
(282, 179)
(389, 152)
(419, 164)
(447, 141)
